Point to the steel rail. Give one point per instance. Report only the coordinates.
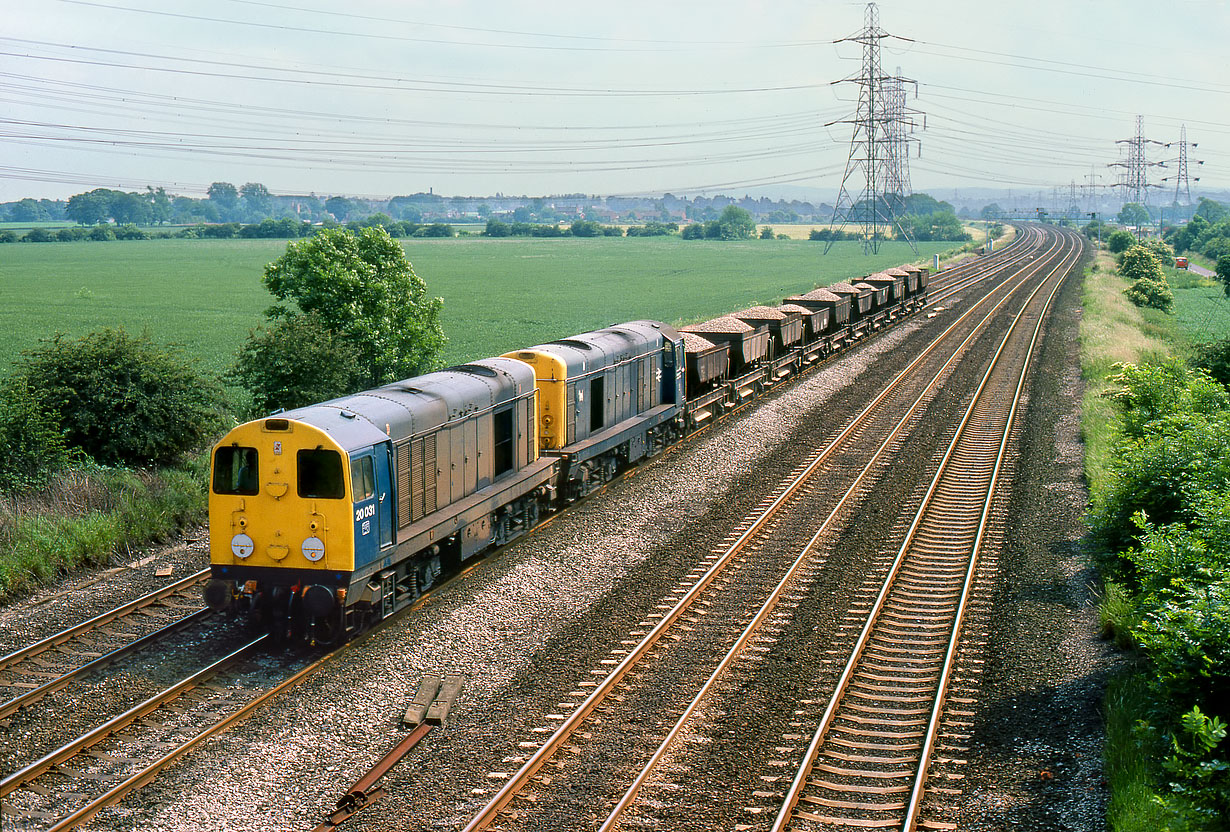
(792, 797)
(550, 747)
(118, 723)
(914, 805)
(30, 697)
(767, 607)
(63, 636)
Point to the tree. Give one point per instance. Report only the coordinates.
(990, 212)
(1120, 241)
(735, 223)
(1211, 209)
(340, 207)
(160, 205)
(295, 362)
(89, 208)
(131, 208)
(1133, 213)
(122, 399)
(1150, 288)
(495, 228)
(225, 198)
(363, 289)
(1223, 273)
(31, 447)
(257, 200)
(28, 210)
(766, 233)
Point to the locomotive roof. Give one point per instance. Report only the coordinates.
(592, 351)
(415, 405)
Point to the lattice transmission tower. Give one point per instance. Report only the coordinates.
(878, 145)
(1135, 176)
(1182, 182)
(900, 123)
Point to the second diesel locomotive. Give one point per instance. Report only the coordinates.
(327, 518)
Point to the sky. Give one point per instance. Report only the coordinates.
(377, 98)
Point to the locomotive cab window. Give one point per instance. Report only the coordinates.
(235, 471)
(504, 447)
(363, 478)
(320, 475)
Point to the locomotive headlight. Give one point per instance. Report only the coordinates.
(313, 549)
(242, 546)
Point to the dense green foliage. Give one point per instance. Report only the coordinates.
(31, 445)
(1162, 519)
(1142, 265)
(735, 223)
(937, 225)
(362, 288)
(294, 362)
(1214, 358)
(1120, 241)
(121, 399)
(1207, 233)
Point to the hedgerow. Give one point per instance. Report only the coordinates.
(1163, 521)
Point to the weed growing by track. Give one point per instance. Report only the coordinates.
(91, 516)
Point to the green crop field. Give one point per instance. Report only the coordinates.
(498, 294)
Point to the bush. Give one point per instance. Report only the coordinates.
(130, 232)
(72, 235)
(695, 231)
(8, 236)
(122, 399)
(1141, 264)
(31, 447)
(1175, 427)
(39, 235)
(296, 362)
(1120, 241)
(219, 231)
(1214, 358)
(495, 228)
(101, 233)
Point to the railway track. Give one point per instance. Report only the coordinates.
(867, 763)
(48, 665)
(740, 602)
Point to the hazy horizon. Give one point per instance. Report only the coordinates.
(475, 98)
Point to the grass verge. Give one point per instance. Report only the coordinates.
(1130, 761)
(90, 516)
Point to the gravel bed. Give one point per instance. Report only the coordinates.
(571, 590)
(93, 592)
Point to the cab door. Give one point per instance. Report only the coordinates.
(382, 456)
(366, 521)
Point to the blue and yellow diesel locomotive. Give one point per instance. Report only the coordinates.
(329, 517)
